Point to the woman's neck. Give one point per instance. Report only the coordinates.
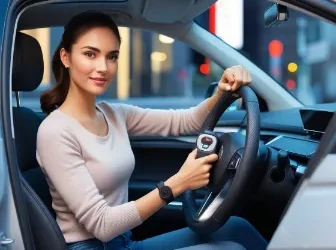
(79, 103)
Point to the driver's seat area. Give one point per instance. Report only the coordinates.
(27, 76)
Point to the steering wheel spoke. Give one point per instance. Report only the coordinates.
(212, 201)
(208, 199)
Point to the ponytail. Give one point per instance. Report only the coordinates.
(55, 97)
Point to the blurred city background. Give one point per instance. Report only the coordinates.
(160, 72)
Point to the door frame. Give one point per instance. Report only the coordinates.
(23, 236)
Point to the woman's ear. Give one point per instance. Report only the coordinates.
(64, 58)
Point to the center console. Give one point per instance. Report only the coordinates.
(299, 150)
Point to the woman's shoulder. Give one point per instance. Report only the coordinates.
(113, 109)
(55, 125)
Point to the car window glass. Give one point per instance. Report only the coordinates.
(157, 71)
(154, 70)
(297, 53)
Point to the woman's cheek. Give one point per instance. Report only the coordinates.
(86, 66)
(113, 68)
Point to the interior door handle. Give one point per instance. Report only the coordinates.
(6, 241)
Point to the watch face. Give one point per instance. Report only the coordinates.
(165, 191)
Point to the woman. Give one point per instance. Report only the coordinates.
(84, 150)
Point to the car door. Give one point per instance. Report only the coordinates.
(5, 234)
(15, 231)
(10, 234)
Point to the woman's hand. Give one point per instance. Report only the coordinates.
(233, 78)
(195, 173)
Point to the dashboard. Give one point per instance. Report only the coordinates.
(285, 121)
(297, 132)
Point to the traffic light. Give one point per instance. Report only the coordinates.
(200, 62)
(292, 67)
(291, 82)
(275, 48)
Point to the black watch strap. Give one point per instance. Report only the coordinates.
(165, 192)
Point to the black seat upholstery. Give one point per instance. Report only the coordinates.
(27, 76)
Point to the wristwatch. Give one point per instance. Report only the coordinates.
(165, 192)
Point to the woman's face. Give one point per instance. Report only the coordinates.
(93, 60)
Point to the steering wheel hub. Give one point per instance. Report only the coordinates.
(230, 152)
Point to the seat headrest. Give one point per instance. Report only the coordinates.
(27, 63)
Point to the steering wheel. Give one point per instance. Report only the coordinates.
(233, 175)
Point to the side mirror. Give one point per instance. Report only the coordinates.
(275, 14)
(212, 88)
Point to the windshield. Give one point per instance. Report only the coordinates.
(298, 53)
(156, 71)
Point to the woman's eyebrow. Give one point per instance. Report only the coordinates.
(98, 50)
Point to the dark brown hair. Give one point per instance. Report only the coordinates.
(78, 25)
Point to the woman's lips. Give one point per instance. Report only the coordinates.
(100, 81)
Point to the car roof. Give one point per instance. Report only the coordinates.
(147, 14)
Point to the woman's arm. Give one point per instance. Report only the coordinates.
(60, 157)
(141, 121)
(176, 122)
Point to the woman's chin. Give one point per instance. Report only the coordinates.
(97, 91)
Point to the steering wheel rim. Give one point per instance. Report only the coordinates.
(212, 215)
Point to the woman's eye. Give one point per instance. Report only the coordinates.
(89, 54)
(113, 57)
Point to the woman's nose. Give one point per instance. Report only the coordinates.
(101, 65)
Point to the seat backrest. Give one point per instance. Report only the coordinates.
(27, 75)
(46, 233)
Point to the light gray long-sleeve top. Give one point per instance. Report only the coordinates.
(88, 175)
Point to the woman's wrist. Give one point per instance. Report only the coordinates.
(218, 94)
(176, 184)
(213, 100)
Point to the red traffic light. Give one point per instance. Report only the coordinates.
(205, 68)
(275, 48)
(290, 84)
